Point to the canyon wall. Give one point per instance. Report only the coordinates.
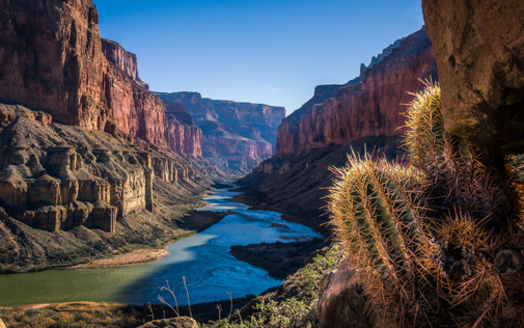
(479, 47)
(363, 114)
(52, 58)
(56, 176)
(183, 136)
(368, 106)
(235, 135)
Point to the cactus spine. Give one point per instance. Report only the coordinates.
(377, 211)
(448, 252)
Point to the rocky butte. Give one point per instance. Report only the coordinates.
(84, 143)
(236, 136)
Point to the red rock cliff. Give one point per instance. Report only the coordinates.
(183, 136)
(237, 135)
(370, 107)
(122, 59)
(53, 59)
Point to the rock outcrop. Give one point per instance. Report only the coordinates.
(341, 301)
(57, 177)
(235, 135)
(52, 58)
(61, 178)
(367, 106)
(179, 322)
(479, 48)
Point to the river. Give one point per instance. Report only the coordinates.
(210, 271)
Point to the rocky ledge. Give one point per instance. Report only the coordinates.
(59, 178)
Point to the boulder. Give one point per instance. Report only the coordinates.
(479, 48)
(341, 302)
(180, 322)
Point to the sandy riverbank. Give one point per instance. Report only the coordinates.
(135, 257)
(194, 222)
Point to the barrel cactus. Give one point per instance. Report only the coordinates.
(378, 214)
(439, 240)
(461, 175)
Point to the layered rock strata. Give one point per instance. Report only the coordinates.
(57, 177)
(52, 58)
(183, 136)
(367, 106)
(235, 135)
(479, 48)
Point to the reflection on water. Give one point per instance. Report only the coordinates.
(204, 259)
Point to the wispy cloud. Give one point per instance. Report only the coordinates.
(271, 87)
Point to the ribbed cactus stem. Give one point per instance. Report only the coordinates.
(375, 209)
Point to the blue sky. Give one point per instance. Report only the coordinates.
(265, 51)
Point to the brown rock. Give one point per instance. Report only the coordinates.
(479, 47)
(369, 106)
(341, 302)
(122, 59)
(58, 177)
(180, 322)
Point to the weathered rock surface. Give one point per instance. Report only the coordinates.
(235, 135)
(61, 178)
(123, 59)
(369, 106)
(341, 302)
(183, 136)
(179, 322)
(53, 59)
(479, 48)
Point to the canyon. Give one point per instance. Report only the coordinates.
(95, 164)
(236, 136)
(363, 115)
(90, 156)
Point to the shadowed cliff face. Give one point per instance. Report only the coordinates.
(479, 48)
(369, 106)
(363, 114)
(53, 59)
(235, 135)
